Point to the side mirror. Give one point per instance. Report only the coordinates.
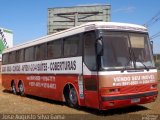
(99, 46)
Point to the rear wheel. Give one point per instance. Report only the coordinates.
(21, 89)
(13, 88)
(72, 98)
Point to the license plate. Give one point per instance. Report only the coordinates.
(135, 100)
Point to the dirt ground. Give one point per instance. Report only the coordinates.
(17, 105)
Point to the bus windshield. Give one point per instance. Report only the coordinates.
(126, 50)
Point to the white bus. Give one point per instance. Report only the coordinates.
(101, 65)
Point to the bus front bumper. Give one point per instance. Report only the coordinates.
(110, 102)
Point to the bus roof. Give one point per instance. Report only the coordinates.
(78, 29)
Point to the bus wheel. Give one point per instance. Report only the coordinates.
(21, 88)
(72, 99)
(13, 88)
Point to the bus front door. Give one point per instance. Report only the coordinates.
(91, 90)
(90, 71)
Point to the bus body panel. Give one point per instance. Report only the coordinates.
(92, 99)
(43, 85)
(118, 90)
(127, 102)
(45, 78)
(91, 91)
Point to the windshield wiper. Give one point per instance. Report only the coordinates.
(135, 60)
(138, 60)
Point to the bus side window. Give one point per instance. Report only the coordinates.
(40, 52)
(12, 57)
(89, 50)
(5, 59)
(20, 56)
(29, 54)
(71, 46)
(54, 49)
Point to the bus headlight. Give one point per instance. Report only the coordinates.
(154, 86)
(105, 91)
(116, 90)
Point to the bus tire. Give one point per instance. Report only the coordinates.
(21, 88)
(13, 88)
(72, 98)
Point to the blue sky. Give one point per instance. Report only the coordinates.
(28, 18)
